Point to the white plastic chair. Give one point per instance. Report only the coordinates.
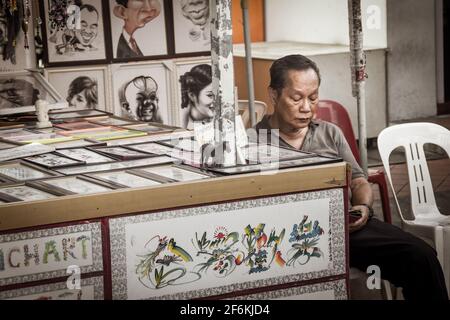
(260, 109)
(428, 221)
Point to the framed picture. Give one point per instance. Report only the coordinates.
(42, 138)
(310, 161)
(53, 161)
(79, 125)
(77, 144)
(124, 179)
(142, 92)
(174, 173)
(21, 89)
(264, 153)
(116, 165)
(138, 29)
(145, 127)
(6, 133)
(21, 171)
(24, 192)
(72, 185)
(152, 147)
(82, 87)
(192, 83)
(112, 121)
(191, 21)
(121, 153)
(73, 114)
(76, 37)
(85, 155)
(182, 144)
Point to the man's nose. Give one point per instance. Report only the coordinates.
(305, 106)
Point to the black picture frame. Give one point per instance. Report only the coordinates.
(48, 59)
(112, 21)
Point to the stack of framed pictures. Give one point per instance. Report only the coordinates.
(54, 161)
(85, 155)
(173, 173)
(71, 185)
(122, 153)
(116, 165)
(23, 192)
(21, 171)
(125, 179)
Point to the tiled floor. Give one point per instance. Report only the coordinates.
(439, 168)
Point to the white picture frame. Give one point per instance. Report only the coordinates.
(68, 81)
(191, 26)
(181, 66)
(129, 80)
(154, 30)
(23, 88)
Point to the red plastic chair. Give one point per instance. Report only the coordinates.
(334, 112)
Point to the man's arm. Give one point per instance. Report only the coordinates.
(361, 196)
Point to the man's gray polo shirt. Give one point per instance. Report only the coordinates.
(323, 138)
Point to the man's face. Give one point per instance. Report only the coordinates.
(140, 12)
(16, 93)
(89, 27)
(144, 102)
(297, 103)
(196, 10)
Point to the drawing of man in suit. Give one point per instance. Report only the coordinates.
(135, 14)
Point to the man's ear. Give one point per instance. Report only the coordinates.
(273, 95)
(119, 11)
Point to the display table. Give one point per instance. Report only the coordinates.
(259, 235)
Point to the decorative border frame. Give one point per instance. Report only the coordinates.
(338, 286)
(106, 80)
(97, 251)
(337, 243)
(97, 282)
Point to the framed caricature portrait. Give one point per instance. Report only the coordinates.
(138, 29)
(192, 83)
(71, 40)
(21, 89)
(82, 87)
(191, 19)
(141, 91)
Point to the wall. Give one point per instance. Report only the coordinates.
(322, 21)
(336, 85)
(256, 13)
(411, 61)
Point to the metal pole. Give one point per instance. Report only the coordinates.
(358, 70)
(248, 60)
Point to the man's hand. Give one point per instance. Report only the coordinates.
(361, 222)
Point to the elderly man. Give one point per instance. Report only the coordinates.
(135, 14)
(404, 260)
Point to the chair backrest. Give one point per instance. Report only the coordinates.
(334, 112)
(412, 137)
(260, 109)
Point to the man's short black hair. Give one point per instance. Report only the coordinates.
(280, 67)
(122, 2)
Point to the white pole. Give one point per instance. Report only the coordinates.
(248, 60)
(223, 79)
(358, 70)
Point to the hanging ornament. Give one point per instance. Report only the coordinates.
(25, 22)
